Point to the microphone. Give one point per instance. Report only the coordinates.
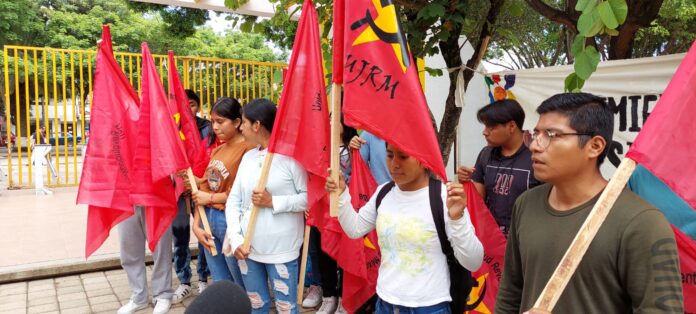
(221, 297)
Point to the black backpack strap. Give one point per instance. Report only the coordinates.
(437, 209)
(460, 277)
(383, 192)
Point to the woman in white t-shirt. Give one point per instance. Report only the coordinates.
(413, 276)
(275, 245)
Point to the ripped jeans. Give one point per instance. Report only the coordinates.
(283, 280)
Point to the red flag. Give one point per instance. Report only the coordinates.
(383, 94)
(669, 130)
(107, 169)
(338, 34)
(159, 154)
(301, 128)
(665, 147)
(188, 129)
(359, 258)
(482, 297)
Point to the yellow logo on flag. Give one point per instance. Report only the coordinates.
(177, 118)
(385, 27)
(368, 243)
(476, 295)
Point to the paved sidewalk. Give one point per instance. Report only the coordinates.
(45, 237)
(97, 292)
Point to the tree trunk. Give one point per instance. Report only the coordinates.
(450, 51)
(640, 14)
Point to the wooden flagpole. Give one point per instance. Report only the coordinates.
(303, 265)
(565, 269)
(201, 211)
(260, 186)
(335, 144)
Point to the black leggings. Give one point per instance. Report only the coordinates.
(331, 274)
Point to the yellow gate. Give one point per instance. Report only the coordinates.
(47, 99)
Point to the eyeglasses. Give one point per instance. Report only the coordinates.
(543, 138)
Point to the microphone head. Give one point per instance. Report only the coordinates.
(221, 297)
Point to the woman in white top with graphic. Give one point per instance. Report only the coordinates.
(413, 276)
(275, 246)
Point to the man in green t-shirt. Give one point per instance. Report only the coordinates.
(631, 265)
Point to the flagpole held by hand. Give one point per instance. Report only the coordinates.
(303, 265)
(201, 211)
(188, 205)
(577, 249)
(335, 143)
(255, 209)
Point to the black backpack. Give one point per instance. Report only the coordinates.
(460, 277)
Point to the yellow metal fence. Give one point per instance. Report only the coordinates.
(48, 91)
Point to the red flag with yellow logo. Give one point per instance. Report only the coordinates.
(382, 92)
(188, 130)
(483, 294)
(360, 274)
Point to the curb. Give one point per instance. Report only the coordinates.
(51, 269)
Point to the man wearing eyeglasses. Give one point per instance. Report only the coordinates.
(632, 264)
(503, 169)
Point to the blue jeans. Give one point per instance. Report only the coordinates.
(221, 267)
(181, 236)
(283, 279)
(384, 307)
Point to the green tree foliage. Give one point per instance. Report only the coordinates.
(431, 27)
(533, 40)
(527, 39)
(76, 24)
(673, 31)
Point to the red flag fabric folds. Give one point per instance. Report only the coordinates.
(338, 33)
(159, 154)
(382, 92)
(482, 297)
(188, 129)
(107, 170)
(301, 128)
(669, 130)
(359, 258)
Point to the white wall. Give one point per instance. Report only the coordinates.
(436, 90)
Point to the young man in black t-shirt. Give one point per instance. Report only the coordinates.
(503, 169)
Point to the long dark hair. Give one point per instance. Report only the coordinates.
(228, 108)
(262, 110)
(348, 133)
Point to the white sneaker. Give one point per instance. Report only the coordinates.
(313, 297)
(131, 307)
(340, 309)
(328, 306)
(181, 293)
(162, 306)
(202, 285)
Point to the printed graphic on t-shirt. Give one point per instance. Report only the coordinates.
(505, 176)
(217, 173)
(403, 242)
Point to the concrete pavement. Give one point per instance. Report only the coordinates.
(42, 267)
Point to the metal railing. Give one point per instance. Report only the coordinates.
(51, 89)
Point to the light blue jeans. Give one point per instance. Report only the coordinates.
(384, 307)
(221, 267)
(282, 277)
